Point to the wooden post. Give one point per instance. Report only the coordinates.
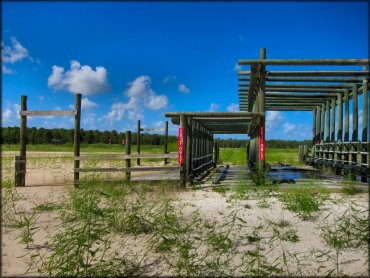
(262, 95)
(166, 141)
(332, 129)
(128, 152)
(138, 141)
(346, 126)
(354, 143)
(314, 126)
(339, 147)
(19, 177)
(183, 172)
(327, 122)
(23, 142)
(188, 149)
(365, 150)
(76, 138)
(322, 125)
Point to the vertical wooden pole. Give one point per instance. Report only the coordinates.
(314, 126)
(354, 144)
(128, 152)
(18, 172)
(327, 122)
(76, 138)
(262, 94)
(188, 149)
(339, 147)
(365, 150)
(183, 171)
(166, 141)
(138, 141)
(346, 126)
(332, 120)
(23, 143)
(322, 125)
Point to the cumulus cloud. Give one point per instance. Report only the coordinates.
(140, 95)
(88, 104)
(79, 79)
(11, 54)
(183, 89)
(233, 107)
(288, 127)
(168, 79)
(213, 107)
(11, 114)
(273, 119)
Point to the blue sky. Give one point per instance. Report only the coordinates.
(138, 60)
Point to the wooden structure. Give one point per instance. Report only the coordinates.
(327, 94)
(20, 161)
(197, 130)
(138, 143)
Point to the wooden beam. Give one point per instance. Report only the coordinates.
(308, 62)
(312, 73)
(138, 141)
(48, 113)
(21, 181)
(128, 152)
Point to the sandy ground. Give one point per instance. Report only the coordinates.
(212, 206)
(45, 169)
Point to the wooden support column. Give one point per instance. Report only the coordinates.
(188, 149)
(339, 147)
(138, 141)
(354, 142)
(76, 138)
(322, 125)
(21, 175)
(346, 126)
(327, 122)
(128, 152)
(365, 150)
(183, 171)
(314, 126)
(332, 130)
(166, 141)
(262, 95)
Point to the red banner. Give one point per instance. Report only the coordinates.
(180, 146)
(262, 142)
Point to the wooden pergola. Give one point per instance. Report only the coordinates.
(197, 130)
(321, 91)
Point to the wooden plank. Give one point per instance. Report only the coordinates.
(23, 141)
(131, 156)
(355, 122)
(365, 150)
(214, 114)
(133, 169)
(317, 86)
(76, 137)
(312, 73)
(309, 79)
(309, 90)
(48, 113)
(307, 62)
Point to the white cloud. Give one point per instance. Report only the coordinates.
(237, 67)
(288, 127)
(88, 104)
(11, 115)
(183, 89)
(14, 53)
(168, 79)
(79, 79)
(233, 107)
(6, 70)
(273, 119)
(141, 96)
(41, 98)
(213, 107)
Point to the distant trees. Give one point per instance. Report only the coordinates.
(10, 135)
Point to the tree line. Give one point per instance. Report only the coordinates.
(10, 135)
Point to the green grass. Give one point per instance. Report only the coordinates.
(273, 156)
(172, 147)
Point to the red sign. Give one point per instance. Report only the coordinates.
(181, 146)
(262, 142)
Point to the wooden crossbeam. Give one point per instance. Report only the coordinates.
(48, 113)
